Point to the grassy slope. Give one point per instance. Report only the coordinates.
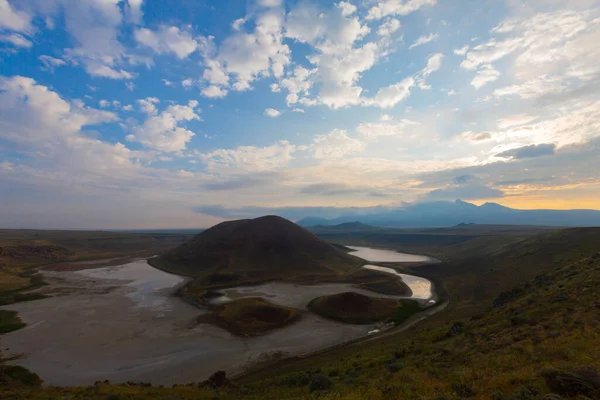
(551, 319)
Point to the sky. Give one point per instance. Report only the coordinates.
(118, 114)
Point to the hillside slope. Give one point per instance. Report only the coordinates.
(259, 249)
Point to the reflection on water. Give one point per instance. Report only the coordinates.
(421, 287)
(147, 281)
(377, 255)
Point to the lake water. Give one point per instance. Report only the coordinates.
(122, 323)
(379, 255)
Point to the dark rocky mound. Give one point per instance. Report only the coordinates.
(354, 308)
(250, 316)
(264, 248)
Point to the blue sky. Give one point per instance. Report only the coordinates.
(147, 113)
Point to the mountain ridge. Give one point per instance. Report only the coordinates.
(442, 214)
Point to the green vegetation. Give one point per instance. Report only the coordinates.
(250, 316)
(253, 251)
(355, 308)
(9, 321)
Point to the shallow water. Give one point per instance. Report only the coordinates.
(121, 323)
(147, 282)
(379, 255)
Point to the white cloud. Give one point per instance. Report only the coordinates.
(16, 40)
(167, 39)
(238, 23)
(434, 63)
(335, 145)
(215, 73)
(135, 11)
(271, 112)
(338, 61)
(95, 27)
(388, 27)
(250, 158)
(213, 92)
(162, 132)
(388, 97)
(50, 63)
(533, 88)
(298, 84)
(298, 110)
(485, 75)
(249, 56)
(375, 130)
(104, 103)
(384, 8)
(452, 93)
(515, 120)
(167, 82)
(148, 105)
(347, 8)
(128, 107)
(421, 40)
(275, 88)
(187, 83)
(270, 3)
(462, 51)
(13, 19)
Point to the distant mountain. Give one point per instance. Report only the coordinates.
(313, 221)
(264, 248)
(344, 227)
(443, 213)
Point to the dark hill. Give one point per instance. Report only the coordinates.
(264, 248)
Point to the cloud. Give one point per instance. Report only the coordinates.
(213, 92)
(162, 131)
(329, 189)
(50, 63)
(293, 213)
(383, 8)
(465, 192)
(421, 40)
(94, 27)
(250, 158)
(336, 144)
(271, 112)
(167, 39)
(375, 130)
(245, 57)
(388, 27)
(243, 182)
(387, 97)
(16, 40)
(148, 105)
(462, 51)
(135, 11)
(515, 120)
(338, 60)
(471, 136)
(485, 75)
(13, 19)
(534, 150)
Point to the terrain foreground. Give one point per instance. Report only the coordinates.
(523, 323)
